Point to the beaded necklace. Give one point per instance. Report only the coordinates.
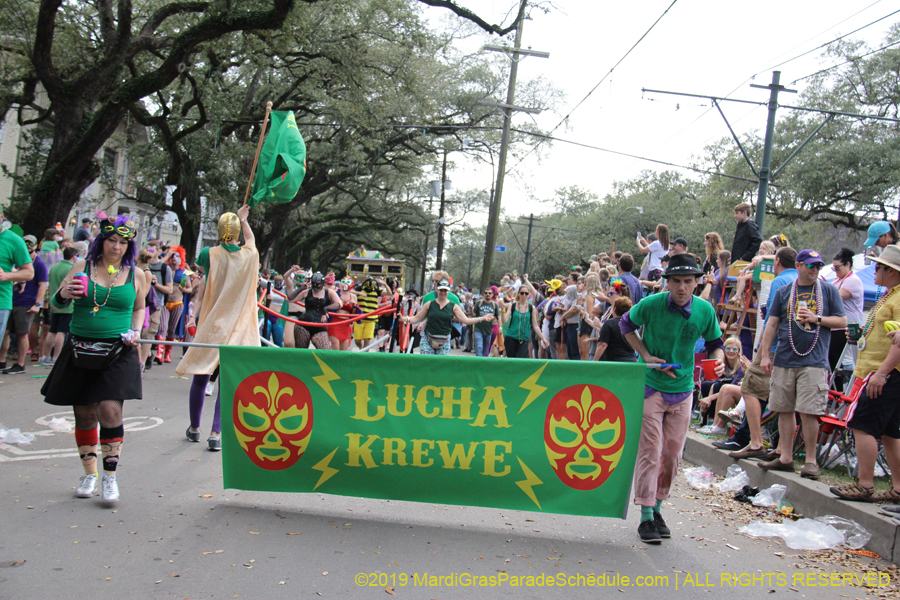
(97, 307)
(870, 320)
(792, 316)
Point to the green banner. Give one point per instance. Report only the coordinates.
(556, 436)
(282, 161)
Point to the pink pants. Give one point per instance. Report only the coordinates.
(663, 431)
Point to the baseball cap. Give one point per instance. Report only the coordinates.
(810, 257)
(876, 230)
(680, 242)
(443, 284)
(29, 239)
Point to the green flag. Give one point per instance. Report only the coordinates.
(554, 436)
(282, 161)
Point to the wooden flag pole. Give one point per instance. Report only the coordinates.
(259, 145)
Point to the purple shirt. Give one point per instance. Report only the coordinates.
(28, 297)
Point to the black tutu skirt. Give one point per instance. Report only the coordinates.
(67, 385)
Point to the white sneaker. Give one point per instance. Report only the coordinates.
(87, 486)
(110, 488)
(210, 388)
(711, 430)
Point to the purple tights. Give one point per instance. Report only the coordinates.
(198, 395)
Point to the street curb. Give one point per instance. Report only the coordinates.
(810, 498)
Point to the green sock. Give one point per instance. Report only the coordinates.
(658, 506)
(646, 513)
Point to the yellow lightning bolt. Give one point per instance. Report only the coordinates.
(327, 472)
(325, 378)
(534, 390)
(526, 484)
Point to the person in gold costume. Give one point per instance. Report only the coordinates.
(225, 313)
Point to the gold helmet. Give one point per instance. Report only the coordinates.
(229, 228)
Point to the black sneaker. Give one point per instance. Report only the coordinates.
(648, 532)
(148, 364)
(16, 369)
(661, 527)
(729, 445)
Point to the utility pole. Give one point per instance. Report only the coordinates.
(469, 273)
(440, 235)
(531, 221)
(527, 249)
(425, 259)
(764, 170)
(508, 108)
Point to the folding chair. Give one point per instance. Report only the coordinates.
(833, 427)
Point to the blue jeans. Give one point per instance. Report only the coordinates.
(573, 352)
(4, 318)
(482, 343)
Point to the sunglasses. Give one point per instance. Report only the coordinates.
(523, 293)
(815, 266)
(727, 349)
(880, 266)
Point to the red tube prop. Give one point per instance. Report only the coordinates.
(349, 318)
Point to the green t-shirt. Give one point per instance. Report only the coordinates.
(13, 253)
(483, 309)
(452, 297)
(671, 337)
(57, 273)
(49, 246)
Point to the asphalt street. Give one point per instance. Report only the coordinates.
(177, 534)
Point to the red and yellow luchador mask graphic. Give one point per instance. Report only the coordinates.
(584, 434)
(273, 419)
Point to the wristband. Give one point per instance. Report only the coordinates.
(60, 300)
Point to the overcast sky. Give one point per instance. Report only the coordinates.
(701, 46)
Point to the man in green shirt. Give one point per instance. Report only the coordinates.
(15, 267)
(60, 318)
(673, 322)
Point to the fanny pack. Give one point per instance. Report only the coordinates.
(437, 341)
(95, 355)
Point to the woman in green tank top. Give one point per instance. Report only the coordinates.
(440, 313)
(108, 312)
(522, 317)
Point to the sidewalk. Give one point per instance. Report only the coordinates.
(810, 498)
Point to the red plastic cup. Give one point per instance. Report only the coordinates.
(192, 330)
(709, 369)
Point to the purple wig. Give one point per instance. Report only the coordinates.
(95, 251)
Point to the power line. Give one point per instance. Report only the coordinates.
(837, 39)
(740, 85)
(838, 24)
(644, 158)
(854, 59)
(599, 83)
